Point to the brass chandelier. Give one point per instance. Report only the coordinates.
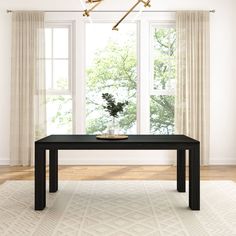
(94, 3)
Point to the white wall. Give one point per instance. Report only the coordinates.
(223, 81)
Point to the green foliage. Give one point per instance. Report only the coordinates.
(164, 57)
(162, 114)
(162, 106)
(113, 71)
(63, 115)
(112, 107)
(94, 125)
(62, 83)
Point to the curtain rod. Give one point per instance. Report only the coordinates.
(104, 11)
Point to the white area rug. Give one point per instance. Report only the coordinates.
(118, 208)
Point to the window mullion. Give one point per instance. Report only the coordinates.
(143, 91)
(52, 80)
(80, 82)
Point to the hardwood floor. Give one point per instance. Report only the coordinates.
(118, 173)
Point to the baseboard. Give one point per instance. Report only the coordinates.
(126, 161)
(225, 161)
(104, 161)
(118, 157)
(4, 162)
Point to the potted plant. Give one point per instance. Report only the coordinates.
(114, 109)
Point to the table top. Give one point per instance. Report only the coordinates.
(140, 138)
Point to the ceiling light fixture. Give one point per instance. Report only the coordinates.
(115, 27)
(95, 2)
(84, 8)
(146, 4)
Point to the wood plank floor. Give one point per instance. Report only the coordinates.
(118, 173)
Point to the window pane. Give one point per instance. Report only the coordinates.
(163, 51)
(60, 74)
(164, 74)
(60, 42)
(59, 114)
(48, 43)
(48, 69)
(161, 73)
(111, 68)
(162, 114)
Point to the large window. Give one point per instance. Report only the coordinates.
(136, 63)
(111, 67)
(162, 80)
(58, 61)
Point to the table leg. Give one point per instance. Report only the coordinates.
(194, 177)
(40, 177)
(181, 170)
(53, 170)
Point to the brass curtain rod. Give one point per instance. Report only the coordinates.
(104, 11)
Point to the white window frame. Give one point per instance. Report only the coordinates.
(70, 24)
(78, 82)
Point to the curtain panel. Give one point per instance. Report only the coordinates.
(192, 87)
(28, 97)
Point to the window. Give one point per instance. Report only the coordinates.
(162, 80)
(136, 63)
(58, 64)
(111, 67)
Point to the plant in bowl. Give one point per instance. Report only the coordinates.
(113, 108)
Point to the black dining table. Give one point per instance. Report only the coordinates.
(180, 143)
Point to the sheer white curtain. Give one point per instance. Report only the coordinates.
(28, 103)
(192, 96)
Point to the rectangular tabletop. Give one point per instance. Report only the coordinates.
(133, 142)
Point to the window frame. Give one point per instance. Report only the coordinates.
(71, 25)
(78, 82)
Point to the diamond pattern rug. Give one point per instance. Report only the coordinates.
(118, 208)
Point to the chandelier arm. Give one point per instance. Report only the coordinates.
(87, 11)
(93, 1)
(126, 14)
(146, 4)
